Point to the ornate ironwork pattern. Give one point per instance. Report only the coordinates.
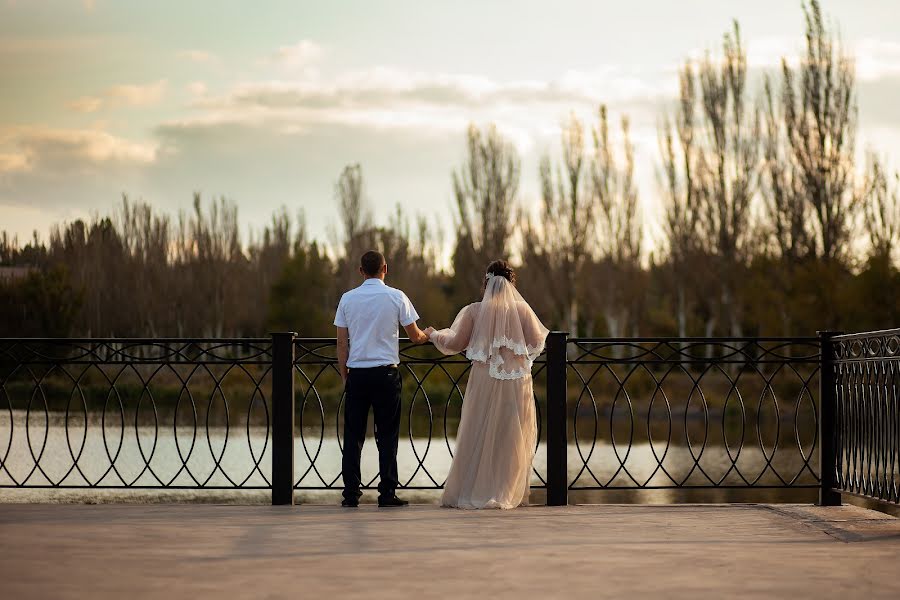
(433, 391)
(135, 413)
(867, 415)
(694, 412)
(642, 413)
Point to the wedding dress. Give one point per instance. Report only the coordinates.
(497, 434)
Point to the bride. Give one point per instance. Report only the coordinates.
(497, 433)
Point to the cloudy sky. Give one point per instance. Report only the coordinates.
(264, 103)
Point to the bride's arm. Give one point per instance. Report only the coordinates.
(455, 338)
(534, 331)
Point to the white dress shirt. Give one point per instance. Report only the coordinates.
(371, 313)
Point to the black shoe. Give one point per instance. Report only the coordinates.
(350, 502)
(390, 502)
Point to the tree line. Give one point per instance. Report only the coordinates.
(770, 227)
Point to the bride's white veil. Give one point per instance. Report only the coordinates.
(506, 333)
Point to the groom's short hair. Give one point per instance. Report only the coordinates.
(372, 262)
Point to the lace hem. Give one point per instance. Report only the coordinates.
(476, 356)
(494, 366)
(520, 349)
(494, 361)
(496, 373)
(531, 352)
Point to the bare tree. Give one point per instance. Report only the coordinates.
(786, 224)
(787, 213)
(356, 221)
(146, 238)
(682, 193)
(268, 256)
(556, 245)
(710, 177)
(212, 267)
(429, 242)
(810, 198)
(486, 189)
(881, 210)
(353, 210)
(95, 257)
(729, 170)
(619, 227)
(818, 106)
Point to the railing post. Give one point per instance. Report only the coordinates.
(827, 409)
(283, 417)
(557, 440)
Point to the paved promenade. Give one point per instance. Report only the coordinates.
(686, 551)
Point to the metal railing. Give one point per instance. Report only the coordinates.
(864, 407)
(613, 414)
(135, 413)
(670, 413)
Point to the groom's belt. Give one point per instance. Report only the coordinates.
(369, 368)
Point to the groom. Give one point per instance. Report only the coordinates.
(369, 360)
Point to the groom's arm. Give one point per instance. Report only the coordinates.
(343, 351)
(408, 318)
(416, 335)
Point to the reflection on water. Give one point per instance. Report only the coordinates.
(145, 456)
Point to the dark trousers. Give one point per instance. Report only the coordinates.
(378, 387)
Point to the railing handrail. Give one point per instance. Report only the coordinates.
(650, 339)
(148, 340)
(640, 339)
(867, 334)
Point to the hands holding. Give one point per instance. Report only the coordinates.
(425, 335)
(416, 335)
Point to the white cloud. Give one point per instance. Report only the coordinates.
(64, 173)
(876, 59)
(391, 97)
(300, 56)
(61, 150)
(611, 85)
(135, 95)
(393, 121)
(12, 162)
(86, 104)
(399, 106)
(197, 88)
(764, 53)
(768, 52)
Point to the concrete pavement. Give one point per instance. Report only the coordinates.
(596, 551)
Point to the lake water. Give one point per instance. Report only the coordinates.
(179, 459)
